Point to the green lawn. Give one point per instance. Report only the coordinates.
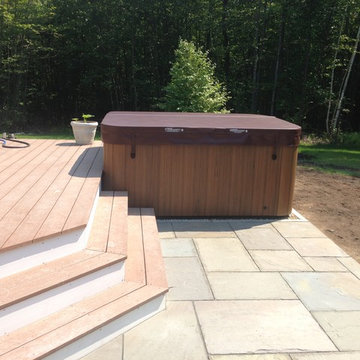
(324, 157)
(331, 158)
(61, 134)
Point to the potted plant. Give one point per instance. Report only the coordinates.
(83, 129)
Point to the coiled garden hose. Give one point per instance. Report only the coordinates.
(23, 144)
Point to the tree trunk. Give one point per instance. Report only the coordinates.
(133, 80)
(279, 50)
(347, 76)
(226, 41)
(327, 121)
(256, 61)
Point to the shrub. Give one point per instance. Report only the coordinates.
(193, 86)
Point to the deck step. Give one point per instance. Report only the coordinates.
(79, 326)
(109, 229)
(145, 266)
(35, 294)
(20, 286)
(63, 328)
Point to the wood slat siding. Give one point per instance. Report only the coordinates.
(203, 180)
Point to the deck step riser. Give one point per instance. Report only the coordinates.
(44, 304)
(101, 336)
(37, 253)
(26, 257)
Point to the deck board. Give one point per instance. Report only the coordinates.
(31, 224)
(23, 168)
(8, 157)
(100, 229)
(54, 223)
(135, 263)
(42, 187)
(81, 210)
(118, 232)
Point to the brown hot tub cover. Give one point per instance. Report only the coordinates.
(120, 127)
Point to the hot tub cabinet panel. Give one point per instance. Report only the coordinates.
(212, 178)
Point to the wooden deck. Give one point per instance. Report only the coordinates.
(46, 189)
(65, 302)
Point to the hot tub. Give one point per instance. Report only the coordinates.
(201, 165)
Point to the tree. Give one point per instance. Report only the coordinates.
(193, 86)
(335, 119)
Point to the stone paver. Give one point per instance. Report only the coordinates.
(251, 357)
(263, 238)
(224, 254)
(297, 229)
(278, 260)
(325, 264)
(343, 327)
(249, 224)
(186, 279)
(316, 247)
(326, 291)
(328, 356)
(260, 326)
(178, 247)
(165, 229)
(171, 335)
(202, 229)
(110, 351)
(283, 291)
(352, 265)
(237, 285)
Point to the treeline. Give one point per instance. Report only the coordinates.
(290, 58)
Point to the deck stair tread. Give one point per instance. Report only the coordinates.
(135, 263)
(144, 280)
(20, 286)
(109, 229)
(118, 225)
(154, 263)
(60, 329)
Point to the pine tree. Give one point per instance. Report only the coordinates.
(193, 86)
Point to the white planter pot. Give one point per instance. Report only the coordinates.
(84, 133)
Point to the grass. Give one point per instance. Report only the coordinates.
(58, 134)
(342, 159)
